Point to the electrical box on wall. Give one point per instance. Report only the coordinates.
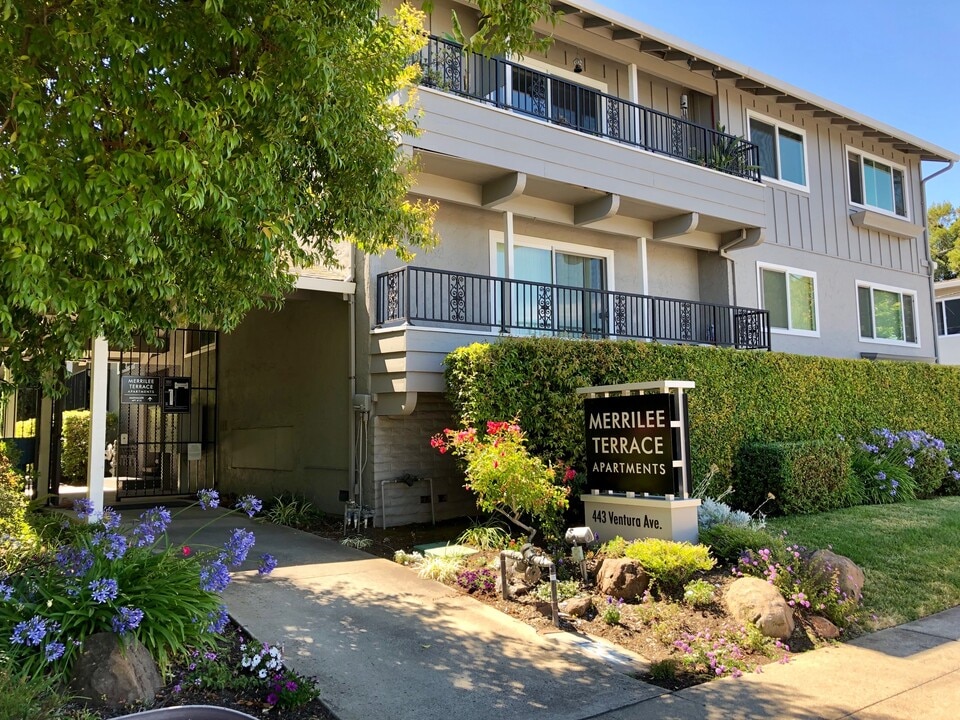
(362, 403)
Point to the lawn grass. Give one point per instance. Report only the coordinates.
(909, 552)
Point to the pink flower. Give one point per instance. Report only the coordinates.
(186, 550)
(569, 475)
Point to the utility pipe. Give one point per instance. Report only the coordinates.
(930, 261)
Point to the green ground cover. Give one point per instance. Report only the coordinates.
(910, 553)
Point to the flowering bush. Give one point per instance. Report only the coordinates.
(611, 611)
(505, 477)
(895, 466)
(130, 581)
(482, 581)
(804, 587)
(723, 654)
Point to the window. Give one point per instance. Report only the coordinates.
(875, 183)
(782, 152)
(790, 296)
(886, 314)
(948, 317)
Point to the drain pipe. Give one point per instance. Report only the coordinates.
(926, 243)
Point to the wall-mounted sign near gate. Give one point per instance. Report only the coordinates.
(630, 443)
(139, 390)
(176, 394)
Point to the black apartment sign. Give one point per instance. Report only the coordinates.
(176, 394)
(630, 443)
(139, 390)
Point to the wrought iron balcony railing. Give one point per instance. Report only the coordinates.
(441, 298)
(505, 84)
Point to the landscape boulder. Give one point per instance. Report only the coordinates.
(823, 628)
(622, 578)
(109, 674)
(849, 575)
(753, 600)
(580, 606)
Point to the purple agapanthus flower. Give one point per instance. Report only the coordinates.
(153, 523)
(214, 577)
(54, 651)
(268, 564)
(74, 561)
(237, 546)
(126, 619)
(114, 544)
(29, 632)
(110, 519)
(103, 590)
(249, 504)
(84, 508)
(218, 620)
(6, 591)
(208, 499)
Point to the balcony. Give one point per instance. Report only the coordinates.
(441, 298)
(446, 66)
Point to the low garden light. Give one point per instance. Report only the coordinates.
(579, 537)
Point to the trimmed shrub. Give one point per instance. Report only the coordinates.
(14, 528)
(740, 397)
(76, 441)
(670, 564)
(728, 542)
(802, 477)
(951, 483)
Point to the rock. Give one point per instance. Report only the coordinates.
(580, 606)
(108, 674)
(622, 578)
(751, 599)
(824, 628)
(849, 575)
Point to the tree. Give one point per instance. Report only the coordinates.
(165, 163)
(943, 231)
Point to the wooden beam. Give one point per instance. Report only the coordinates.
(766, 91)
(624, 34)
(824, 114)
(595, 210)
(565, 9)
(651, 46)
(787, 100)
(700, 64)
(675, 55)
(595, 22)
(743, 238)
(503, 189)
(875, 134)
(903, 147)
(676, 225)
(841, 121)
(746, 84)
(722, 74)
(807, 106)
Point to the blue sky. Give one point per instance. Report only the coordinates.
(891, 60)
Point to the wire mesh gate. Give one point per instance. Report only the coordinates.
(167, 421)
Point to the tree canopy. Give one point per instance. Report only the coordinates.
(943, 230)
(165, 163)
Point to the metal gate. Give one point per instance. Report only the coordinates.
(20, 417)
(167, 421)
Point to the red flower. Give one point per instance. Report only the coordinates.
(569, 475)
(186, 550)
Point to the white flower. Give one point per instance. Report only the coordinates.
(262, 674)
(255, 661)
(245, 662)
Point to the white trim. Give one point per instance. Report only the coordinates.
(847, 149)
(778, 124)
(761, 266)
(891, 289)
(319, 284)
(496, 236)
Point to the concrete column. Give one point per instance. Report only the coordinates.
(9, 410)
(99, 354)
(644, 271)
(44, 428)
(633, 87)
(508, 244)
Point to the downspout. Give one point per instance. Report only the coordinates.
(352, 379)
(929, 258)
(731, 275)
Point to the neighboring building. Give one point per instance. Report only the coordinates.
(947, 314)
(625, 184)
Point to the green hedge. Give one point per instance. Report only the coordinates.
(76, 441)
(741, 396)
(802, 477)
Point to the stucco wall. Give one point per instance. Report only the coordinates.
(284, 411)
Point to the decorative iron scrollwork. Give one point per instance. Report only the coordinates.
(747, 330)
(457, 287)
(393, 296)
(544, 307)
(613, 118)
(686, 321)
(619, 315)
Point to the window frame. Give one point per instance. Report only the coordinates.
(778, 124)
(941, 316)
(848, 149)
(761, 266)
(872, 286)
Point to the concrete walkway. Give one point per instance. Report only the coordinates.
(384, 643)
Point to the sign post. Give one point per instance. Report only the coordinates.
(638, 461)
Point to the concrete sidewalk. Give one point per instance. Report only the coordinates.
(384, 643)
